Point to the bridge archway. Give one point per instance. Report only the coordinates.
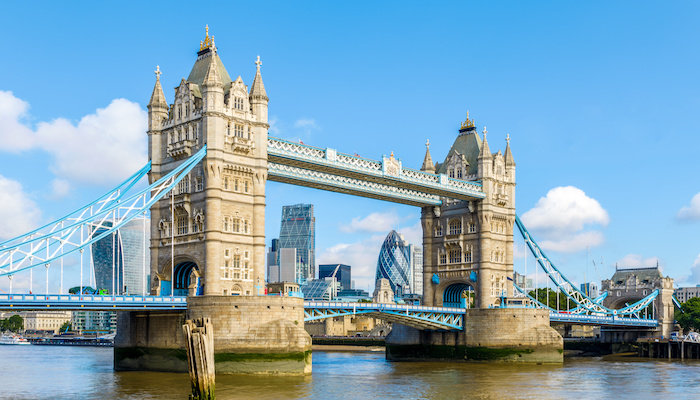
(187, 277)
(459, 295)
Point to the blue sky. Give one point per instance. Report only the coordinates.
(600, 101)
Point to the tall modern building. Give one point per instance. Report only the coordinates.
(416, 261)
(119, 259)
(297, 231)
(394, 263)
(341, 272)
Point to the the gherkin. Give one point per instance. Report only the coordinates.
(393, 263)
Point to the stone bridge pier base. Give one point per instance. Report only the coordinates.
(501, 335)
(252, 334)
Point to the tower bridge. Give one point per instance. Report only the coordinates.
(210, 158)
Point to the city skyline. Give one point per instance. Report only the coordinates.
(598, 107)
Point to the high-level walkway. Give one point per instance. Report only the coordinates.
(327, 169)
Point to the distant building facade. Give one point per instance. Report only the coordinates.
(341, 272)
(686, 293)
(590, 289)
(94, 321)
(45, 320)
(119, 259)
(394, 263)
(523, 282)
(292, 257)
(416, 262)
(325, 289)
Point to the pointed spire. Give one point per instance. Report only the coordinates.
(428, 165)
(212, 77)
(158, 97)
(485, 151)
(509, 154)
(257, 91)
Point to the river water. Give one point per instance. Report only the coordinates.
(61, 372)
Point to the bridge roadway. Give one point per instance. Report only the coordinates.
(420, 317)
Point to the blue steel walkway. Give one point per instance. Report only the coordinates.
(419, 317)
(89, 302)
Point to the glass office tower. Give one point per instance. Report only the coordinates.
(297, 231)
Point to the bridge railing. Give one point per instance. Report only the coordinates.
(382, 306)
(331, 158)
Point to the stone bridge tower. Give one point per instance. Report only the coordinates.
(629, 285)
(208, 235)
(468, 251)
(216, 217)
(468, 245)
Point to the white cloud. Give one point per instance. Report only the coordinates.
(375, 222)
(59, 188)
(103, 148)
(566, 219)
(274, 128)
(573, 243)
(694, 277)
(18, 213)
(14, 134)
(362, 256)
(691, 212)
(637, 261)
(306, 123)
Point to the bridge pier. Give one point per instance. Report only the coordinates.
(499, 335)
(252, 334)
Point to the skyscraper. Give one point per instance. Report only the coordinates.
(341, 272)
(416, 260)
(394, 263)
(119, 259)
(297, 231)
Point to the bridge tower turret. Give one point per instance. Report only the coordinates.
(471, 243)
(216, 216)
(157, 114)
(208, 234)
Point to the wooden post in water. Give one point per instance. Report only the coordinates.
(199, 339)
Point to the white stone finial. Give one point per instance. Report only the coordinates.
(157, 72)
(427, 143)
(508, 139)
(258, 63)
(484, 132)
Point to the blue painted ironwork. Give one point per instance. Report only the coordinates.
(569, 289)
(75, 231)
(386, 180)
(91, 302)
(419, 317)
(605, 320)
(676, 302)
(453, 295)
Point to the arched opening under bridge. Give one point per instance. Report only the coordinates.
(459, 295)
(185, 279)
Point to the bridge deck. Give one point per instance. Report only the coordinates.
(420, 317)
(88, 302)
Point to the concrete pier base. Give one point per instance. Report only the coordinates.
(252, 334)
(500, 335)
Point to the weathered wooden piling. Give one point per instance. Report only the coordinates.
(199, 340)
